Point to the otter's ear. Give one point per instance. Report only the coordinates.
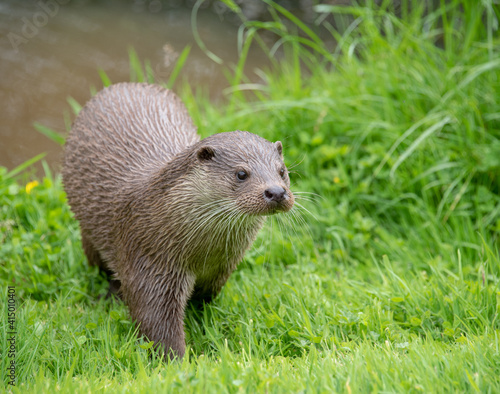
(205, 153)
(279, 146)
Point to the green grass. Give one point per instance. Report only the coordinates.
(394, 283)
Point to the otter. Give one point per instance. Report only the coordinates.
(167, 215)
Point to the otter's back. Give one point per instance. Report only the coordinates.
(121, 136)
(128, 130)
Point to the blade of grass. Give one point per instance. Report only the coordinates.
(196, 34)
(136, 71)
(48, 132)
(150, 77)
(75, 106)
(417, 142)
(104, 78)
(178, 66)
(24, 165)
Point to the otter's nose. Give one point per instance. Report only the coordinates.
(274, 193)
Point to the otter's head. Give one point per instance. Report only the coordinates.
(246, 170)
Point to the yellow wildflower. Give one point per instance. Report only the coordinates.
(336, 179)
(30, 186)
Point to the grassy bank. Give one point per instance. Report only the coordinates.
(394, 282)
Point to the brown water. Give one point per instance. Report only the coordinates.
(47, 55)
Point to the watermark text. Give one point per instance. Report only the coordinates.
(31, 26)
(11, 335)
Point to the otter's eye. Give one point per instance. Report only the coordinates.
(282, 172)
(242, 175)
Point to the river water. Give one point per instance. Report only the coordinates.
(51, 50)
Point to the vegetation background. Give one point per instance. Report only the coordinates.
(388, 276)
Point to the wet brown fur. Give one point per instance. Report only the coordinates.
(160, 210)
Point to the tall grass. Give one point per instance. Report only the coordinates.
(402, 127)
(393, 284)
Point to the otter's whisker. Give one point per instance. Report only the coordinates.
(305, 209)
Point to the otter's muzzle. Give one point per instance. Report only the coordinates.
(275, 193)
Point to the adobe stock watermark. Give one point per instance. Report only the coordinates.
(11, 333)
(31, 26)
